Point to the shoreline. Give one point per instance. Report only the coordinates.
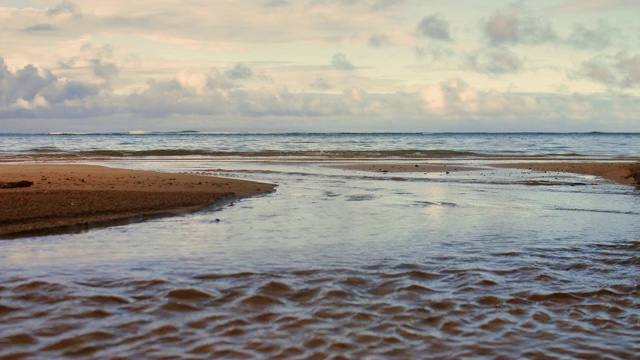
(68, 198)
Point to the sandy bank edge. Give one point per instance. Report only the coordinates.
(70, 197)
(625, 173)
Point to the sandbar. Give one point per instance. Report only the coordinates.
(71, 197)
(397, 168)
(626, 173)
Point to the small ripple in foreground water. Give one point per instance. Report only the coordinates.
(441, 310)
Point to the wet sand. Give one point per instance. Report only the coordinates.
(626, 173)
(389, 167)
(75, 197)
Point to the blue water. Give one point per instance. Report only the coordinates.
(586, 144)
(472, 264)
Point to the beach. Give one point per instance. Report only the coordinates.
(498, 246)
(75, 197)
(71, 197)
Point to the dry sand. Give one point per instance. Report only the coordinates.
(67, 198)
(627, 173)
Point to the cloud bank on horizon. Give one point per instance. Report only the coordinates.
(320, 65)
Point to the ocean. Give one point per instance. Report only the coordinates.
(338, 263)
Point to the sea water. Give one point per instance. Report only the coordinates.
(339, 263)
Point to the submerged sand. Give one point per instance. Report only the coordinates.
(75, 197)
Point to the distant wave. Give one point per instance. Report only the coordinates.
(328, 154)
(68, 133)
(284, 153)
(348, 154)
(314, 133)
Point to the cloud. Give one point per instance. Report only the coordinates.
(239, 72)
(629, 68)
(103, 70)
(30, 92)
(65, 7)
(378, 40)
(593, 5)
(380, 5)
(622, 70)
(496, 61)
(597, 38)
(33, 92)
(597, 71)
(434, 52)
(320, 83)
(434, 27)
(516, 25)
(40, 28)
(277, 3)
(340, 62)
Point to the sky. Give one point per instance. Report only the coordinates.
(320, 65)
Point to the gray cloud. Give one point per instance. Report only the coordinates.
(379, 5)
(516, 25)
(371, 5)
(320, 83)
(434, 52)
(340, 62)
(100, 60)
(434, 27)
(40, 27)
(629, 68)
(103, 70)
(377, 40)
(239, 72)
(598, 72)
(277, 3)
(62, 8)
(494, 61)
(622, 70)
(596, 38)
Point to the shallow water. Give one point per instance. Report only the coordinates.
(341, 263)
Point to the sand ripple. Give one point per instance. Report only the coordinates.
(445, 309)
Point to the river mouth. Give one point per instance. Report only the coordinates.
(339, 263)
